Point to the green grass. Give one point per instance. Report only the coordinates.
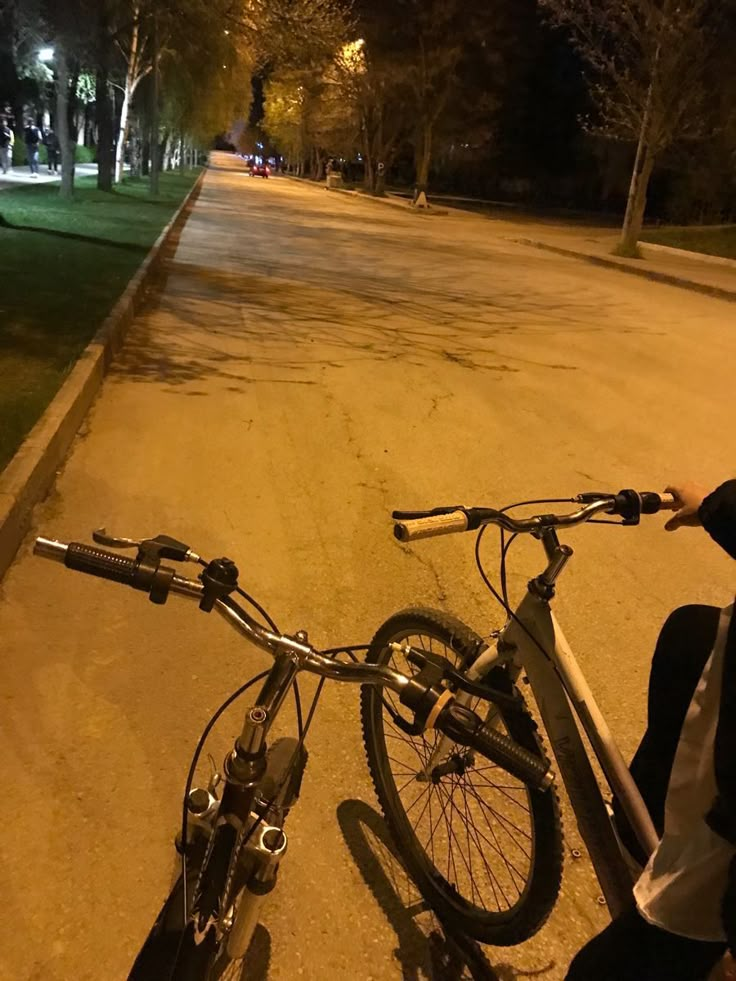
(64, 266)
(712, 240)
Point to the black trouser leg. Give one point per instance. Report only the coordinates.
(683, 647)
(630, 949)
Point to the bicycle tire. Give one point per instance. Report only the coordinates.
(525, 916)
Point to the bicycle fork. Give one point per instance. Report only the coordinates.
(243, 844)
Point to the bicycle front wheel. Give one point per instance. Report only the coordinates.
(484, 850)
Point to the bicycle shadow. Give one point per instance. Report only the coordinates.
(427, 949)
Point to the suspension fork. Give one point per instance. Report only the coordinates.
(243, 768)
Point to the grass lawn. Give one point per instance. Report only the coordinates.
(64, 265)
(713, 240)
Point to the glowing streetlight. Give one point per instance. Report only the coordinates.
(45, 55)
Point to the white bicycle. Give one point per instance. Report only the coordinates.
(484, 849)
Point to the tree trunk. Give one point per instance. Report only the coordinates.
(154, 114)
(423, 157)
(637, 203)
(103, 107)
(166, 146)
(104, 132)
(367, 162)
(66, 142)
(135, 154)
(132, 77)
(643, 166)
(72, 104)
(637, 200)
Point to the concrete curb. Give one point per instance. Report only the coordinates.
(394, 200)
(30, 474)
(714, 260)
(622, 266)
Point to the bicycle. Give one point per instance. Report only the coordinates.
(506, 900)
(232, 836)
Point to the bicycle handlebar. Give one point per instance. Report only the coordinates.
(413, 525)
(458, 722)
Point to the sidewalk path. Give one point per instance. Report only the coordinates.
(597, 244)
(312, 362)
(577, 239)
(19, 176)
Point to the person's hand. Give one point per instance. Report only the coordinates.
(689, 496)
(727, 968)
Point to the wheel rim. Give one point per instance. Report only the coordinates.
(472, 822)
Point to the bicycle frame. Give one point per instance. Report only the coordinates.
(534, 643)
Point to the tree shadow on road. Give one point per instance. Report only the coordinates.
(244, 327)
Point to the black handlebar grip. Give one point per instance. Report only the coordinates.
(466, 727)
(97, 562)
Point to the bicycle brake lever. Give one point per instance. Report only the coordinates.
(102, 538)
(422, 659)
(162, 546)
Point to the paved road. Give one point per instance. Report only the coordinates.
(314, 360)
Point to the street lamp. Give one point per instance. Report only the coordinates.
(45, 55)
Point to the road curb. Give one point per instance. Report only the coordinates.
(394, 200)
(713, 260)
(30, 474)
(622, 266)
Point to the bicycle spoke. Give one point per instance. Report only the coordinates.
(423, 811)
(497, 847)
(473, 887)
(431, 837)
(492, 877)
(489, 871)
(477, 835)
(472, 832)
(417, 798)
(503, 789)
(412, 779)
(497, 814)
(454, 836)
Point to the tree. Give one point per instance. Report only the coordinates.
(452, 49)
(381, 94)
(133, 44)
(67, 28)
(647, 59)
(309, 111)
(205, 70)
(285, 119)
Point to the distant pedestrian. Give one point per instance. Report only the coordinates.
(51, 142)
(6, 146)
(32, 138)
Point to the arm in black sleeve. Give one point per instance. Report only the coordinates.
(718, 515)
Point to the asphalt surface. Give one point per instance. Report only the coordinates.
(314, 361)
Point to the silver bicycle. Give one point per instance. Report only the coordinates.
(232, 838)
(484, 849)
